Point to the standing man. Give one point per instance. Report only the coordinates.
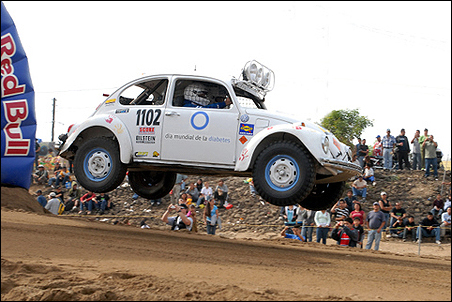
(403, 150)
(430, 156)
(421, 141)
(374, 222)
(378, 147)
(416, 151)
(362, 152)
(388, 141)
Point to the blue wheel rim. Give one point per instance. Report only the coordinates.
(97, 165)
(282, 173)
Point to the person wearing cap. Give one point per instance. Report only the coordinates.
(359, 187)
(180, 221)
(41, 176)
(41, 199)
(421, 142)
(403, 149)
(53, 204)
(385, 207)
(375, 221)
(378, 147)
(388, 142)
(416, 151)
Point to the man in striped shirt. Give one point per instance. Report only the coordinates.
(341, 211)
(388, 141)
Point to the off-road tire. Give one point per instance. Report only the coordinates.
(284, 173)
(97, 165)
(151, 184)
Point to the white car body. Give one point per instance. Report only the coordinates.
(167, 137)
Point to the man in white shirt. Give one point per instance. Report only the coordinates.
(206, 193)
(445, 222)
(180, 221)
(53, 204)
(359, 187)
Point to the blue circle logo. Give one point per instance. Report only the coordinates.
(192, 121)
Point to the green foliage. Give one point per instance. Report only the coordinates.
(346, 124)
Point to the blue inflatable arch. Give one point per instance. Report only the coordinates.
(18, 108)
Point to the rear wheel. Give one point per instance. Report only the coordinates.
(284, 173)
(97, 166)
(151, 184)
(323, 196)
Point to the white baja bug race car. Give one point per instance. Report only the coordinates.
(158, 126)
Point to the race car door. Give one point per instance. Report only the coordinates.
(199, 134)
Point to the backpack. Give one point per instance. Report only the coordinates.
(61, 208)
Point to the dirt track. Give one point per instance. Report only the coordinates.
(56, 258)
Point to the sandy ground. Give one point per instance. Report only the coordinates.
(60, 258)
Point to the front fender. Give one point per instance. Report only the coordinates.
(309, 137)
(100, 125)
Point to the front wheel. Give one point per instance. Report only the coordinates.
(323, 196)
(150, 184)
(97, 166)
(284, 173)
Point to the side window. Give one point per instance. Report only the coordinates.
(199, 94)
(145, 93)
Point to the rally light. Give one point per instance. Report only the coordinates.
(259, 75)
(326, 144)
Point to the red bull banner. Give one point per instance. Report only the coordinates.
(17, 108)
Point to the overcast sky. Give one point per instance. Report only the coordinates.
(389, 60)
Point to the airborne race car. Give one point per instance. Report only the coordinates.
(158, 126)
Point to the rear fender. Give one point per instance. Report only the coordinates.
(305, 136)
(105, 125)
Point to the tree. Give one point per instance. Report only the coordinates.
(346, 124)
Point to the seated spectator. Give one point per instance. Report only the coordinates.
(74, 195)
(199, 184)
(368, 162)
(397, 228)
(157, 201)
(183, 198)
(221, 193)
(53, 204)
(211, 216)
(341, 211)
(445, 222)
(41, 176)
(355, 160)
(410, 228)
(358, 213)
(447, 204)
(103, 201)
(86, 201)
(60, 193)
(288, 232)
(347, 235)
(397, 214)
(289, 214)
(369, 174)
(193, 191)
(192, 213)
(359, 188)
(438, 205)
(350, 200)
(429, 228)
(359, 227)
(205, 195)
(322, 221)
(61, 176)
(41, 199)
(180, 221)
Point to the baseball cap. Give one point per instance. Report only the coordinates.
(388, 130)
(52, 194)
(40, 166)
(38, 191)
(383, 193)
(376, 204)
(183, 206)
(378, 136)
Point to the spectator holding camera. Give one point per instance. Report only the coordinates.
(430, 147)
(347, 236)
(180, 221)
